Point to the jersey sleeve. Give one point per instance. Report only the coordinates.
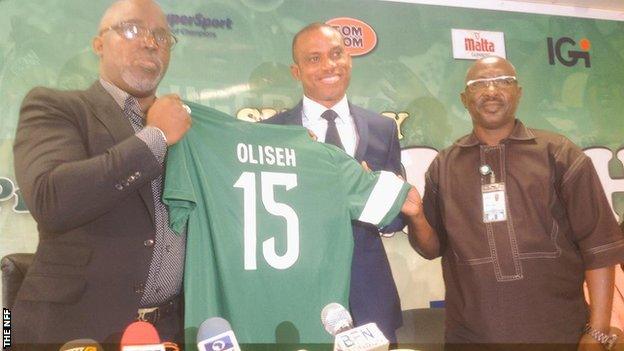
(178, 193)
(371, 197)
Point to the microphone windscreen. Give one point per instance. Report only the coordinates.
(82, 345)
(216, 334)
(211, 327)
(140, 333)
(336, 318)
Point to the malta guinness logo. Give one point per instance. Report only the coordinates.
(472, 44)
(479, 44)
(557, 50)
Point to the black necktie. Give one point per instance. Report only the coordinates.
(332, 137)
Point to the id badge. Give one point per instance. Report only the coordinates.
(494, 205)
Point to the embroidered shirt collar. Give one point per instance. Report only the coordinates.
(519, 132)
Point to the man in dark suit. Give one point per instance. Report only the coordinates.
(323, 67)
(89, 164)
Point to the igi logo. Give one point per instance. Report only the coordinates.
(571, 57)
(359, 38)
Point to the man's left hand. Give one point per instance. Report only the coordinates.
(587, 343)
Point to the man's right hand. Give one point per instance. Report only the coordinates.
(422, 237)
(168, 114)
(412, 207)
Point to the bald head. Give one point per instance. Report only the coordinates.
(120, 9)
(492, 98)
(490, 63)
(135, 64)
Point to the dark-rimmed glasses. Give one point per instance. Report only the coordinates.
(132, 31)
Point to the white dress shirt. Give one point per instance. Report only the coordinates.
(312, 120)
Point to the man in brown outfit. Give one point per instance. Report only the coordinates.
(520, 220)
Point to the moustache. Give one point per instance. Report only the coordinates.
(153, 59)
(491, 98)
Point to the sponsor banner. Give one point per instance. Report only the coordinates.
(359, 38)
(474, 44)
(198, 25)
(563, 50)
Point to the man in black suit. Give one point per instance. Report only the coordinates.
(323, 67)
(89, 164)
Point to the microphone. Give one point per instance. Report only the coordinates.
(336, 318)
(215, 334)
(141, 336)
(81, 345)
(338, 322)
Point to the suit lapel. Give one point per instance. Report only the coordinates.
(106, 110)
(361, 127)
(294, 115)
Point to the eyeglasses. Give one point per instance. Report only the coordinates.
(133, 31)
(498, 82)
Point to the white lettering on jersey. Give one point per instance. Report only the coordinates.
(265, 154)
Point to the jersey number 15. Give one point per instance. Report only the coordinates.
(268, 180)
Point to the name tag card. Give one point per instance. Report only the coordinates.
(494, 204)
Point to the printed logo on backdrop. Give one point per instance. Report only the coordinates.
(359, 38)
(558, 50)
(10, 191)
(198, 25)
(471, 44)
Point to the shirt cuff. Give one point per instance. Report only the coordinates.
(155, 140)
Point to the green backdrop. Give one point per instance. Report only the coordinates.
(243, 69)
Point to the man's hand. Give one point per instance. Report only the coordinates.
(422, 237)
(619, 346)
(367, 169)
(312, 135)
(600, 283)
(412, 207)
(587, 343)
(168, 114)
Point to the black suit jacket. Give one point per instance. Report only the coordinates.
(373, 296)
(86, 180)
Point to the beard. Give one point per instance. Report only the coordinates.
(141, 79)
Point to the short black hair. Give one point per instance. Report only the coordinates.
(306, 29)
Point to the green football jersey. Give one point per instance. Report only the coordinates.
(268, 214)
